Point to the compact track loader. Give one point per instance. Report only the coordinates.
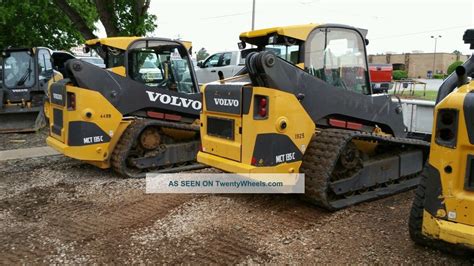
(26, 75)
(442, 214)
(136, 117)
(318, 118)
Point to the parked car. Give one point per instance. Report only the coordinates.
(381, 77)
(229, 63)
(93, 60)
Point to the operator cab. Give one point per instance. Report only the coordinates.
(333, 54)
(24, 71)
(158, 63)
(161, 64)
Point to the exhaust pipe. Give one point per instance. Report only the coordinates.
(462, 76)
(456, 79)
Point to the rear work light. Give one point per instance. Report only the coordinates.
(260, 107)
(71, 101)
(447, 127)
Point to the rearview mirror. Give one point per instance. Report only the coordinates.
(200, 64)
(86, 49)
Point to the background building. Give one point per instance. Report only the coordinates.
(418, 64)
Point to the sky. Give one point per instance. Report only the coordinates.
(394, 26)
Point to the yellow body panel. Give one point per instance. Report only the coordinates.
(240, 168)
(451, 232)
(454, 222)
(188, 45)
(104, 115)
(236, 156)
(226, 148)
(299, 32)
(120, 70)
(455, 197)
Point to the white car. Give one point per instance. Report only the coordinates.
(229, 63)
(150, 72)
(93, 60)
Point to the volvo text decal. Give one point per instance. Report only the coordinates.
(174, 100)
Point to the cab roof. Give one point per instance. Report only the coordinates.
(123, 42)
(299, 32)
(116, 42)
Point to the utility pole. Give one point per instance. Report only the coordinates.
(434, 55)
(253, 15)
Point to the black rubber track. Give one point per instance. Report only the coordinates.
(130, 137)
(322, 154)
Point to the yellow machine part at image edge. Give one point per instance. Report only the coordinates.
(458, 228)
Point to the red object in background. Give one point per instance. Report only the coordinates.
(380, 73)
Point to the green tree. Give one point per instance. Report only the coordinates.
(119, 17)
(30, 23)
(399, 74)
(456, 52)
(62, 24)
(202, 54)
(453, 66)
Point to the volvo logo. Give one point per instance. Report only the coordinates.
(57, 96)
(226, 102)
(174, 100)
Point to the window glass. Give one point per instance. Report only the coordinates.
(226, 59)
(45, 65)
(163, 66)
(115, 57)
(213, 61)
(93, 60)
(289, 53)
(111, 56)
(337, 57)
(1, 70)
(44, 60)
(19, 70)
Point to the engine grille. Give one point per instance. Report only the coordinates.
(220, 127)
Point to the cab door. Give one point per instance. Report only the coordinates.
(45, 68)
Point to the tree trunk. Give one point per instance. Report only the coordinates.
(142, 7)
(139, 11)
(107, 16)
(76, 19)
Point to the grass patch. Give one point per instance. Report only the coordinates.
(430, 95)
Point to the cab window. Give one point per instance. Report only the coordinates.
(226, 59)
(45, 65)
(19, 69)
(337, 56)
(289, 53)
(165, 66)
(213, 61)
(113, 57)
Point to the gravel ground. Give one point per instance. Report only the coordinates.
(57, 210)
(23, 140)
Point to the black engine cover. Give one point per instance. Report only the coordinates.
(322, 100)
